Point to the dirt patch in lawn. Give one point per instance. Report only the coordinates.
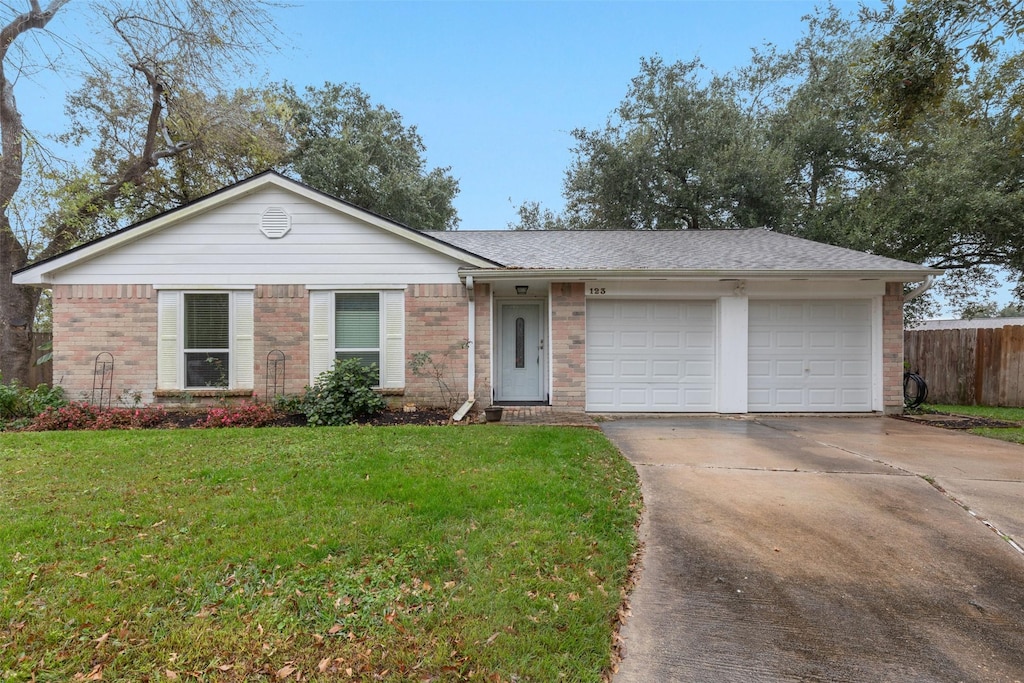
(948, 421)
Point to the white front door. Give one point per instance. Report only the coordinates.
(521, 352)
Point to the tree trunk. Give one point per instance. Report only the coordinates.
(18, 305)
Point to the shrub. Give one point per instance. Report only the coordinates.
(343, 394)
(85, 416)
(242, 415)
(17, 401)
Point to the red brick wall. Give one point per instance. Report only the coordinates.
(568, 345)
(482, 295)
(281, 322)
(437, 322)
(91, 319)
(892, 348)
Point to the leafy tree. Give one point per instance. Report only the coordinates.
(927, 49)
(677, 155)
(346, 146)
(533, 216)
(142, 58)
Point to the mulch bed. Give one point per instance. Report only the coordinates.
(948, 421)
(186, 419)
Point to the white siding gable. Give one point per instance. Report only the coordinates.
(226, 246)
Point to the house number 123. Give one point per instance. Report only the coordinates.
(598, 290)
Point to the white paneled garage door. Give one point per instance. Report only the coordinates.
(809, 356)
(656, 356)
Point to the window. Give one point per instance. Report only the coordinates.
(365, 324)
(357, 326)
(207, 340)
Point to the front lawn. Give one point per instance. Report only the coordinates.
(1013, 434)
(357, 553)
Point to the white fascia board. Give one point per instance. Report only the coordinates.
(42, 275)
(491, 275)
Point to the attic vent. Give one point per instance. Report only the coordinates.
(275, 222)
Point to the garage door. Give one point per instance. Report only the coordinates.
(809, 356)
(656, 356)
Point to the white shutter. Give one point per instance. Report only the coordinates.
(321, 355)
(167, 346)
(393, 370)
(243, 351)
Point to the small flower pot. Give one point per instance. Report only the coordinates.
(493, 413)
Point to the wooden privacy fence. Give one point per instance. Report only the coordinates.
(981, 366)
(40, 374)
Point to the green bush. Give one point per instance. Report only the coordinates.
(343, 394)
(17, 401)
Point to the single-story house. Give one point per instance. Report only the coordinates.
(193, 302)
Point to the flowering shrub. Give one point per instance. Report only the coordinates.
(85, 416)
(242, 415)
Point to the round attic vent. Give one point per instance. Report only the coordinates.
(275, 222)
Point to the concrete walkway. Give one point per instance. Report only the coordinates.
(824, 549)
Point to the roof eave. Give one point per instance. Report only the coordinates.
(895, 275)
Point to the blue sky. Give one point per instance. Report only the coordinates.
(495, 88)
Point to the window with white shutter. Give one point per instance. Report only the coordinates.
(365, 325)
(205, 340)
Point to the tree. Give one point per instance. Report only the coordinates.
(927, 48)
(676, 155)
(155, 53)
(346, 146)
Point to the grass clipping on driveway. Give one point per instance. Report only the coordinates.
(406, 553)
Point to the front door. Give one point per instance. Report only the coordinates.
(521, 352)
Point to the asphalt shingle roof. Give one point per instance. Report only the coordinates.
(698, 250)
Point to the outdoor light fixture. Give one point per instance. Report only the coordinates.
(522, 289)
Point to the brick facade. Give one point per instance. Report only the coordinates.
(92, 319)
(482, 297)
(281, 323)
(892, 348)
(437, 323)
(568, 345)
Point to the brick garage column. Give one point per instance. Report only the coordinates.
(281, 323)
(482, 296)
(892, 348)
(92, 319)
(568, 345)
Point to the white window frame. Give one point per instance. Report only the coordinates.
(183, 351)
(380, 349)
(391, 338)
(171, 363)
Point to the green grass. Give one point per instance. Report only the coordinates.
(995, 413)
(479, 553)
(1012, 434)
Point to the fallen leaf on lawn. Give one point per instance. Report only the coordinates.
(285, 671)
(81, 575)
(171, 675)
(226, 667)
(494, 636)
(102, 639)
(324, 663)
(334, 629)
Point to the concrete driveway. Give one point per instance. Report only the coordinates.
(816, 549)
